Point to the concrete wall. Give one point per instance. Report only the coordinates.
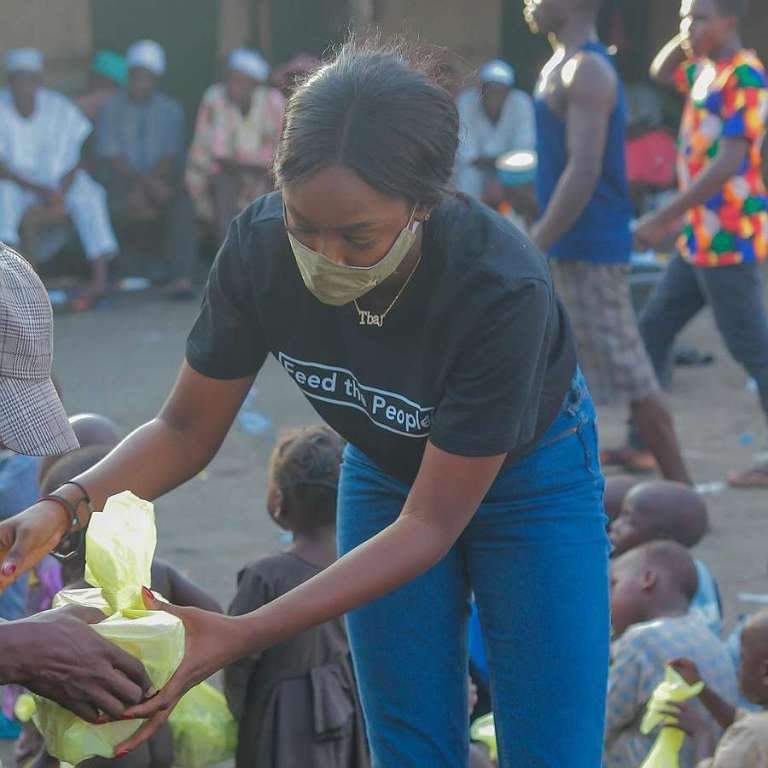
(60, 28)
(234, 24)
(470, 28)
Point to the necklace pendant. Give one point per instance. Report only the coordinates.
(370, 318)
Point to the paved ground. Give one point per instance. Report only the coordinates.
(121, 361)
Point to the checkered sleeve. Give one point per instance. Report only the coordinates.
(745, 102)
(623, 704)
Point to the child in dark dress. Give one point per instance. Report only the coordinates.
(297, 702)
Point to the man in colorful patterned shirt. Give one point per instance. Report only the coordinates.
(722, 196)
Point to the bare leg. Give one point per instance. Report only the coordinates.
(96, 287)
(657, 431)
(99, 274)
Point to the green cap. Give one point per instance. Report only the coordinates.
(112, 65)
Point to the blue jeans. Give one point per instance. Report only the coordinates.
(535, 554)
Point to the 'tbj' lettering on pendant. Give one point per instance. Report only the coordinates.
(370, 318)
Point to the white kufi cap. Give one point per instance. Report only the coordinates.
(497, 71)
(24, 60)
(249, 63)
(147, 54)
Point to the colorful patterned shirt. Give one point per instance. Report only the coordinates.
(726, 99)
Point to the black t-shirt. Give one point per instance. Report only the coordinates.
(475, 356)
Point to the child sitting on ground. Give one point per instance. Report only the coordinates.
(662, 510)
(296, 702)
(166, 580)
(745, 742)
(651, 592)
(616, 489)
(90, 429)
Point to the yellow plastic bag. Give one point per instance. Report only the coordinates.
(120, 545)
(483, 730)
(204, 731)
(666, 750)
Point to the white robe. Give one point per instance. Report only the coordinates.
(479, 137)
(43, 148)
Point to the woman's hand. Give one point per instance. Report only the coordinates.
(28, 537)
(212, 642)
(58, 656)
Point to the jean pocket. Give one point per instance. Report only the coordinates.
(568, 457)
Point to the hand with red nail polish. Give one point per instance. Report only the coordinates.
(206, 652)
(27, 538)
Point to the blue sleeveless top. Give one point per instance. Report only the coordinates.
(602, 232)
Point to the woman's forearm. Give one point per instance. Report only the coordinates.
(385, 562)
(151, 461)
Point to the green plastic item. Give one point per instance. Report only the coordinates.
(483, 730)
(666, 750)
(204, 731)
(120, 545)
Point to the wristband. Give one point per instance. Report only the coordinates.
(70, 544)
(86, 498)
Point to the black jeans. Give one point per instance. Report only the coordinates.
(736, 297)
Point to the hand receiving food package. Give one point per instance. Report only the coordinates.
(673, 690)
(120, 546)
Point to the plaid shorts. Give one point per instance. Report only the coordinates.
(610, 349)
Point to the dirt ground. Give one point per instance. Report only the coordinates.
(121, 361)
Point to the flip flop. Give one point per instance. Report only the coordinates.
(754, 477)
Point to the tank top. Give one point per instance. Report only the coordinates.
(602, 232)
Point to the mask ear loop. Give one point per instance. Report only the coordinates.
(413, 222)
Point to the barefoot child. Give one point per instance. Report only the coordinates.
(745, 743)
(297, 702)
(651, 592)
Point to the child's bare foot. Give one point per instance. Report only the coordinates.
(630, 459)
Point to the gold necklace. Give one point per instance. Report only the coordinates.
(374, 318)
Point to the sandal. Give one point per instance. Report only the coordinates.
(754, 477)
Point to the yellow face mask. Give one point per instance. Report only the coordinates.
(338, 284)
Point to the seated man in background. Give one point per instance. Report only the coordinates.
(496, 118)
(41, 138)
(140, 150)
(108, 74)
(238, 126)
